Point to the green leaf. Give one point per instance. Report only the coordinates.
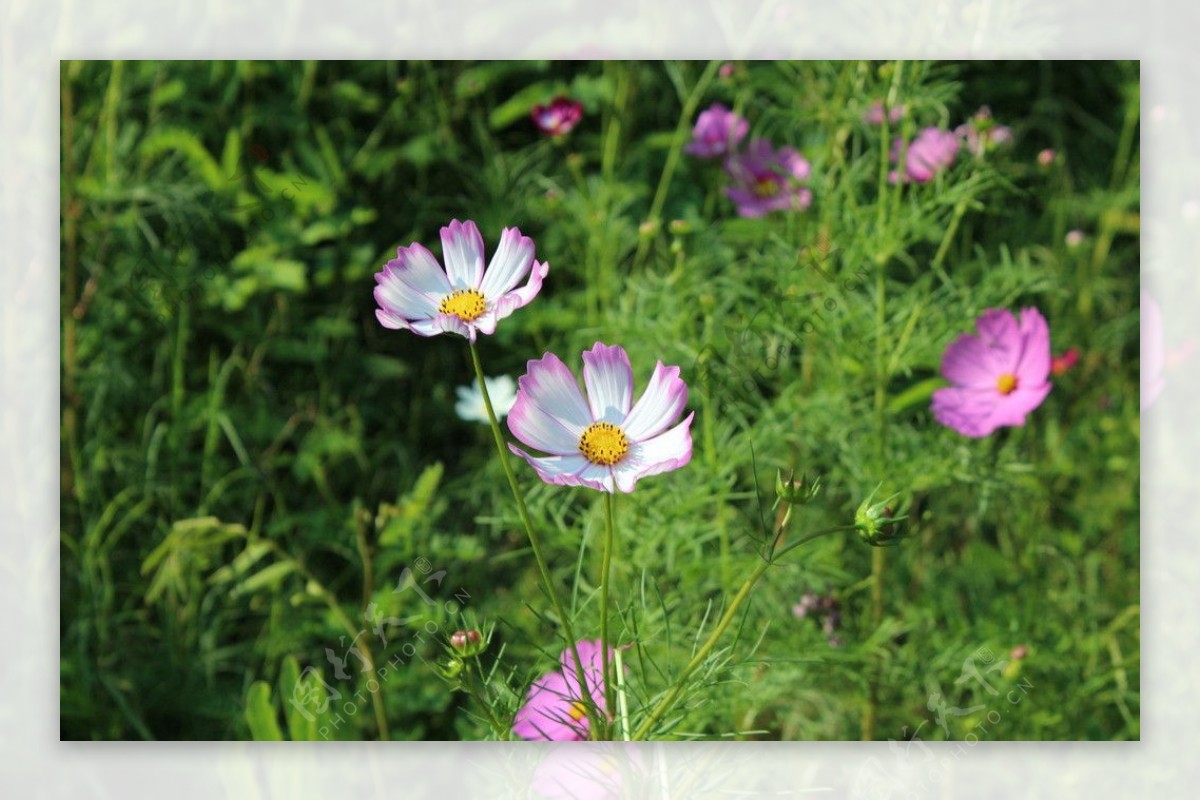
(260, 713)
(915, 395)
(186, 144)
(269, 576)
(300, 727)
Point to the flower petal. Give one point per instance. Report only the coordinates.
(508, 303)
(510, 263)
(541, 429)
(546, 714)
(968, 363)
(608, 377)
(411, 286)
(660, 454)
(1033, 364)
(967, 411)
(552, 388)
(568, 471)
(664, 398)
(462, 250)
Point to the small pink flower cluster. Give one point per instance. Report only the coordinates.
(765, 178)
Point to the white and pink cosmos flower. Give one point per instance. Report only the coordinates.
(1000, 374)
(416, 294)
(604, 441)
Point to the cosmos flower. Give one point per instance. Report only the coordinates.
(766, 180)
(415, 293)
(982, 134)
(558, 117)
(874, 113)
(604, 441)
(999, 374)
(501, 389)
(555, 709)
(718, 131)
(932, 151)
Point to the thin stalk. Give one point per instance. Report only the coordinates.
(319, 589)
(621, 705)
(605, 567)
(701, 655)
(673, 153)
(535, 543)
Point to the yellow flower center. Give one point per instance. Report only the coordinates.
(766, 187)
(604, 443)
(1006, 383)
(577, 711)
(465, 304)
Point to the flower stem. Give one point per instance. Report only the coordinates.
(535, 544)
(676, 148)
(676, 690)
(605, 566)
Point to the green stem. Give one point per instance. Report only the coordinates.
(535, 544)
(605, 567)
(676, 690)
(322, 592)
(673, 153)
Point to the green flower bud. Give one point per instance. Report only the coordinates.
(796, 492)
(876, 523)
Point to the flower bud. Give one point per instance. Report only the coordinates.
(876, 523)
(1046, 157)
(468, 643)
(796, 492)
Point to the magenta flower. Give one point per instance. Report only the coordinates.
(1063, 363)
(555, 709)
(605, 442)
(999, 375)
(559, 117)
(718, 131)
(874, 113)
(933, 150)
(767, 179)
(415, 293)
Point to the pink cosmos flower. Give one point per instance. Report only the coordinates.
(999, 374)
(718, 131)
(766, 180)
(982, 134)
(874, 113)
(415, 293)
(555, 708)
(558, 117)
(933, 150)
(604, 441)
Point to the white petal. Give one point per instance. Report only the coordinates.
(462, 250)
(663, 453)
(660, 404)
(509, 264)
(609, 380)
(552, 388)
(570, 471)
